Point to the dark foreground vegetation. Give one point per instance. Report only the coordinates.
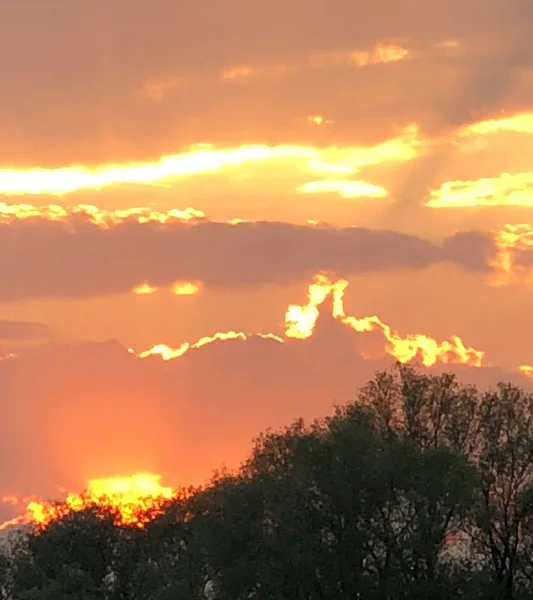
(421, 489)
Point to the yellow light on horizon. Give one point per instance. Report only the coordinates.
(186, 288)
(144, 289)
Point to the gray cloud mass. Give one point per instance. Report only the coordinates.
(80, 259)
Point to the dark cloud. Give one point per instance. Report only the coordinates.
(90, 61)
(23, 331)
(80, 259)
(72, 412)
(470, 249)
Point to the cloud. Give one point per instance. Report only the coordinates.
(513, 261)
(78, 258)
(378, 54)
(505, 190)
(109, 413)
(403, 169)
(206, 159)
(23, 331)
(96, 60)
(518, 123)
(344, 188)
(301, 323)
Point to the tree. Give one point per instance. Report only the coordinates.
(502, 525)
(420, 488)
(5, 574)
(74, 552)
(431, 410)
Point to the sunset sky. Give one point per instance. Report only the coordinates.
(172, 171)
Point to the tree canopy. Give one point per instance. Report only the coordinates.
(421, 488)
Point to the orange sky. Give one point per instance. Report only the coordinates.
(173, 171)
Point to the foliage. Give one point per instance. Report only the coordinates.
(421, 488)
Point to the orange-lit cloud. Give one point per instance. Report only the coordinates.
(98, 216)
(344, 188)
(178, 288)
(373, 75)
(515, 123)
(526, 370)
(169, 353)
(505, 190)
(208, 159)
(318, 120)
(144, 289)
(186, 288)
(301, 320)
(510, 241)
(237, 73)
(378, 54)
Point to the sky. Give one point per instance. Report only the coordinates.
(216, 217)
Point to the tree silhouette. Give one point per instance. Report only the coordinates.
(421, 488)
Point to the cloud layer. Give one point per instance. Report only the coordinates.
(78, 258)
(200, 72)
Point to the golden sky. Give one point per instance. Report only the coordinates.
(218, 216)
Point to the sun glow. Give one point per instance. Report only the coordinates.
(133, 500)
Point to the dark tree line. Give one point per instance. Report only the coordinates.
(421, 489)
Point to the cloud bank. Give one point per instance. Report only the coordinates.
(77, 258)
